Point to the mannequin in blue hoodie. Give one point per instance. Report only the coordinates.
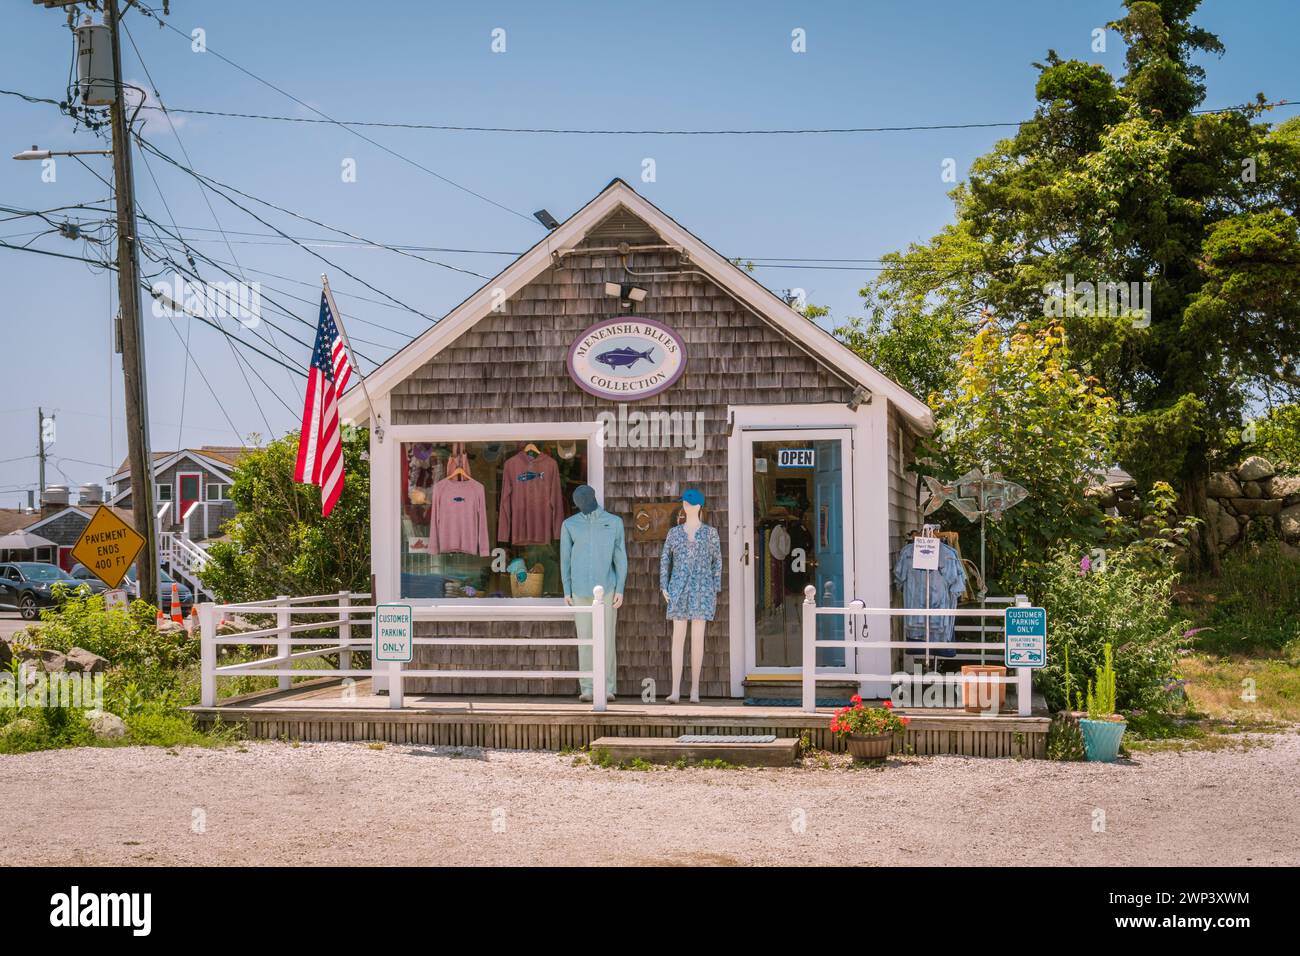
(592, 552)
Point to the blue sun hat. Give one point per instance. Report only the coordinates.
(693, 496)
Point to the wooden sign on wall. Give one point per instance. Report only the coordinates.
(650, 522)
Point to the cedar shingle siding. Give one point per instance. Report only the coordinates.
(510, 367)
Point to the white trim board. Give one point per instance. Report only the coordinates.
(162, 464)
(732, 279)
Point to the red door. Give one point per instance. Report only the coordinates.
(189, 490)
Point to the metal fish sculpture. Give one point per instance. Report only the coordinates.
(616, 358)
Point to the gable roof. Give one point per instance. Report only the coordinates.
(735, 281)
(218, 459)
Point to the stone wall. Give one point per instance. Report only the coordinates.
(1253, 496)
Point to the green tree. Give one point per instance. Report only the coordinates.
(1019, 408)
(278, 542)
(1117, 182)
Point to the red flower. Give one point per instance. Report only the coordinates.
(905, 720)
(856, 699)
(888, 704)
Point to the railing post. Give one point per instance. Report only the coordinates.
(207, 654)
(282, 618)
(809, 650)
(345, 631)
(597, 648)
(1024, 675)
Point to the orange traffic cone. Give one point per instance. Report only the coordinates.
(193, 621)
(177, 616)
(160, 617)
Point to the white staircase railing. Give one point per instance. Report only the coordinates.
(184, 558)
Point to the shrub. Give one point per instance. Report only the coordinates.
(128, 638)
(1126, 605)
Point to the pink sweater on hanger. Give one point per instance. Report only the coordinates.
(458, 518)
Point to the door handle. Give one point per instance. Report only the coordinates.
(744, 555)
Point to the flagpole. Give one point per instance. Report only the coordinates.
(347, 344)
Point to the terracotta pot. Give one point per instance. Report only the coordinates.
(869, 746)
(977, 698)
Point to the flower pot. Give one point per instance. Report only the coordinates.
(1101, 738)
(869, 746)
(978, 697)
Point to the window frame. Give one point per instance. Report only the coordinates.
(386, 496)
(159, 486)
(221, 491)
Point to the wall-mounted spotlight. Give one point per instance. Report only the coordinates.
(546, 219)
(626, 293)
(861, 396)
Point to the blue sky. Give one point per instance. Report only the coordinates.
(604, 65)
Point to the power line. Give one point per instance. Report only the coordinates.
(553, 131)
(213, 183)
(329, 119)
(212, 212)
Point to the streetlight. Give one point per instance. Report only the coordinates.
(37, 153)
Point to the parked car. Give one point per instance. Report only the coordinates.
(28, 586)
(83, 573)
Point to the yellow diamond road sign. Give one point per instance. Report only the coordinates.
(108, 546)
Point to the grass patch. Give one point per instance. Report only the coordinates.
(1253, 608)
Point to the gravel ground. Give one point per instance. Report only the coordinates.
(342, 803)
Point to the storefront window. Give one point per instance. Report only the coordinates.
(482, 519)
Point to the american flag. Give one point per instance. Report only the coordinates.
(320, 448)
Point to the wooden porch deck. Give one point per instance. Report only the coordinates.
(319, 711)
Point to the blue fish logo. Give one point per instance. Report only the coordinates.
(458, 498)
(616, 358)
(530, 475)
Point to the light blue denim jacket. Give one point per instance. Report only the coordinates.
(591, 553)
(946, 586)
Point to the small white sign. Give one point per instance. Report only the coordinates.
(796, 458)
(115, 600)
(394, 633)
(925, 554)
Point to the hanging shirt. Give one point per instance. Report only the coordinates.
(532, 502)
(947, 584)
(592, 552)
(458, 518)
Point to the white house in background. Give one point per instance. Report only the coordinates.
(191, 489)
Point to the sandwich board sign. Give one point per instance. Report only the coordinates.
(1026, 633)
(394, 630)
(108, 546)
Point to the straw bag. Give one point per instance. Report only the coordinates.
(531, 585)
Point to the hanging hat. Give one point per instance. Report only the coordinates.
(778, 543)
(492, 451)
(566, 449)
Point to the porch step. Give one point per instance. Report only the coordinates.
(764, 750)
(773, 690)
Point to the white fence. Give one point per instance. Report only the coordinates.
(857, 610)
(343, 616)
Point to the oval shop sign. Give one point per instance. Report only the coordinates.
(627, 358)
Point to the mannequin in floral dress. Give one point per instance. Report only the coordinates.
(690, 577)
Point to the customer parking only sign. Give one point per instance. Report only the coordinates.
(1026, 637)
(393, 633)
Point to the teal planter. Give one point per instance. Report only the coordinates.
(1101, 738)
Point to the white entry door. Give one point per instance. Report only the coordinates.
(796, 509)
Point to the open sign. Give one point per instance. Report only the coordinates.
(796, 458)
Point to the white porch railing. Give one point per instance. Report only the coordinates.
(184, 558)
(343, 616)
(1023, 677)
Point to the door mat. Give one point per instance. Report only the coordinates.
(794, 702)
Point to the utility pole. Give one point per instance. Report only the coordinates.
(132, 325)
(40, 448)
